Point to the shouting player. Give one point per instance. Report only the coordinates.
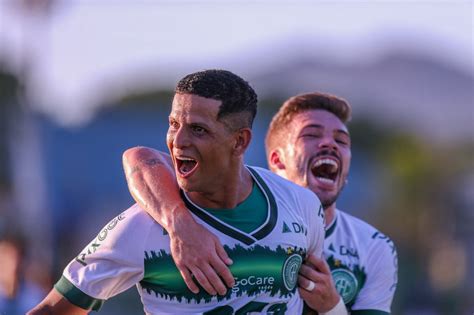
(246, 208)
(308, 143)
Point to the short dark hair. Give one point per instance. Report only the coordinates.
(236, 95)
(301, 103)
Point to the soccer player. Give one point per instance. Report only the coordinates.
(248, 209)
(309, 143)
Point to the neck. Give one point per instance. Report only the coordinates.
(235, 189)
(330, 214)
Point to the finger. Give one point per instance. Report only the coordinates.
(310, 286)
(305, 295)
(305, 283)
(310, 273)
(224, 272)
(202, 280)
(223, 254)
(214, 280)
(323, 266)
(188, 279)
(319, 263)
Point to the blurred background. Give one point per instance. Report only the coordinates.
(81, 81)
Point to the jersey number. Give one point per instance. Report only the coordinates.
(276, 309)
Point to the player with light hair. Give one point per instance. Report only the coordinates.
(308, 142)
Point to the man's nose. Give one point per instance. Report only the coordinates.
(328, 142)
(181, 138)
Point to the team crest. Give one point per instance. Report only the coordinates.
(346, 284)
(290, 271)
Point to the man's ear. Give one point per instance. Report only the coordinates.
(242, 140)
(276, 160)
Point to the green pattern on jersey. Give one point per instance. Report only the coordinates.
(348, 281)
(257, 269)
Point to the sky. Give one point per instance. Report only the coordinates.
(86, 47)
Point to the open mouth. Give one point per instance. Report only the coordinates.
(325, 170)
(185, 165)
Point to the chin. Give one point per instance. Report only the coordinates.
(184, 185)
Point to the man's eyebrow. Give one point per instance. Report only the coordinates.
(343, 132)
(318, 126)
(313, 126)
(201, 124)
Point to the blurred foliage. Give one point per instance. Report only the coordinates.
(420, 210)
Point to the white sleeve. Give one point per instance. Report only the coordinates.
(382, 275)
(110, 264)
(315, 225)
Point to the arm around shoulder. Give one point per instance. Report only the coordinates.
(152, 183)
(56, 304)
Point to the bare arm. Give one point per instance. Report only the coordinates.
(153, 185)
(55, 304)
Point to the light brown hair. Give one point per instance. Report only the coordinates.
(301, 103)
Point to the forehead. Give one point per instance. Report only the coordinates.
(319, 117)
(194, 106)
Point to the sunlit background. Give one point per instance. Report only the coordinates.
(81, 81)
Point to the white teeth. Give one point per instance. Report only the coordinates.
(325, 180)
(326, 161)
(185, 159)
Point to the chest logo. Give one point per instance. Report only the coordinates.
(346, 284)
(294, 227)
(290, 271)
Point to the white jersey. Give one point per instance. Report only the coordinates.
(134, 250)
(363, 264)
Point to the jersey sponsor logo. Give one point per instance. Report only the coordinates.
(348, 251)
(346, 284)
(290, 271)
(344, 250)
(257, 269)
(286, 228)
(262, 283)
(81, 258)
(294, 227)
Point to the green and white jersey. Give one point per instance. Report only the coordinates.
(134, 250)
(363, 264)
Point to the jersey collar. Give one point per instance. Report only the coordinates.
(248, 239)
(332, 226)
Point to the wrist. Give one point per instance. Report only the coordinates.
(338, 309)
(180, 219)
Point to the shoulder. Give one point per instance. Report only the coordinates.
(294, 198)
(132, 226)
(134, 218)
(283, 186)
(372, 238)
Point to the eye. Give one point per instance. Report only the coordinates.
(310, 135)
(173, 124)
(198, 130)
(343, 141)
